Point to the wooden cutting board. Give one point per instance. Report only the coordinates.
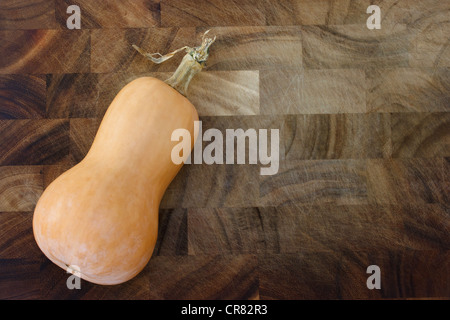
(364, 126)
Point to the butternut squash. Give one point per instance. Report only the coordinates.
(100, 217)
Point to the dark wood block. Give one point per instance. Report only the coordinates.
(329, 275)
(343, 12)
(429, 42)
(197, 186)
(215, 277)
(413, 274)
(111, 13)
(27, 14)
(408, 90)
(355, 46)
(446, 179)
(172, 233)
(34, 142)
(19, 279)
(227, 231)
(405, 181)
(310, 12)
(298, 276)
(415, 13)
(225, 93)
(310, 228)
(184, 13)
(426, 226)
(297, 228)
(17, 240)
(72, 95)
(333, 91)
(281, 91)
(425, 135)
(315, 181)
(338, 136)
(302, 91)
(22, 96)
(20, 187)
(44, 51)
(82, 134)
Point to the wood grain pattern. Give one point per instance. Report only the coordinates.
(17, 241)
(209, 90)
(316, 181)
(27, 14)
(72, 95)
(112, 13)
(184, 13)
(389, 90)
(173, 235)
(310, 12)
(225, 231)
(44, 51)
(34, 142)
(338, 136)
(20, 187)
(238, 278)
(195, 186)
(297, 91)
(309, 228)
(408, 264)
(82, 134)
(429, 42)
(22, 96)
(446, 178)
(354, 46)
(331, 280)
(318, 271)
(413, 181)
(424, 135)
(364, 163)
(19, 279)
(51, 172)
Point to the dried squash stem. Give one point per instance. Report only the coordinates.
(193, 62)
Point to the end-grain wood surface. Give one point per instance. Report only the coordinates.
(364, 119)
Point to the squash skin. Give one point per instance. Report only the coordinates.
(102, 214)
